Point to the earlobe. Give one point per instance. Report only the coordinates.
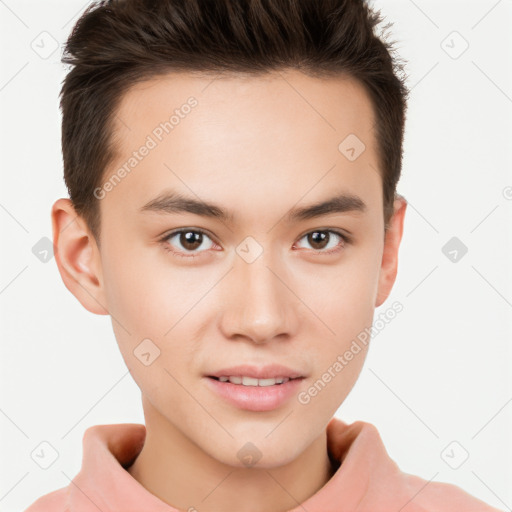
(77, 257)
(389, 265)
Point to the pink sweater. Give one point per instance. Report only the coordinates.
(368, 480)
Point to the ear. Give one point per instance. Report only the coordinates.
(77, 256)
(389, 265)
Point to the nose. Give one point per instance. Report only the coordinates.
(259, 306)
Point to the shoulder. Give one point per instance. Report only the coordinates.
(391, 488)
(55, 501)
(427, 495)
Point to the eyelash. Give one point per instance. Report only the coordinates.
(165, 239)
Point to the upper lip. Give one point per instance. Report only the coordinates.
(270, 371)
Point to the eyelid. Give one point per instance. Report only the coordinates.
(346, 240)
(343, 234)
(180, 230)
(338, 231)
(164, 240)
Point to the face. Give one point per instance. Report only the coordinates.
(213, 257)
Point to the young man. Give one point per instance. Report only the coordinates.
(232, 168)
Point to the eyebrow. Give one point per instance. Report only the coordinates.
(171, 202)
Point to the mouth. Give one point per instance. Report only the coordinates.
(256, 375)
(242, 380)
(254, 394)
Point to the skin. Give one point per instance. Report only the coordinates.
(256, 147)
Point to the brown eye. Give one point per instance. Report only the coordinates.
(320, 240)
(186, 241)
(190, 240)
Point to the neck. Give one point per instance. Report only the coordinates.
(178, 472)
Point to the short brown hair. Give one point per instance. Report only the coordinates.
(117, 43)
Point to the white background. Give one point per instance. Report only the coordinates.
(438, 373)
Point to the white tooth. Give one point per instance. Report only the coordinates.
(249, 381)
(267, 382)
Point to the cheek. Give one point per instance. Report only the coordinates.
(135, 307)
(152, 307)
(150, 326)
(141, 293)
(344, 295)
(345, 310)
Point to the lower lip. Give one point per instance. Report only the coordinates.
(255, 398)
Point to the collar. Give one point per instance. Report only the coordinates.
(367, 479)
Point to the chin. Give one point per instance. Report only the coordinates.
(242, 452)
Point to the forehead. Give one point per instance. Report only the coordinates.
(329, 105)
(262, 137)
